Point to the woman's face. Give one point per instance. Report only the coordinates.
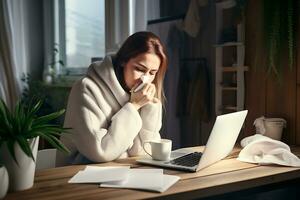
(143, 64)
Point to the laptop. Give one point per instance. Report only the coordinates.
(219, 145)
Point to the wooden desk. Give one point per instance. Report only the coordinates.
(228, 175)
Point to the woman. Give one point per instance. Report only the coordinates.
(109, 119)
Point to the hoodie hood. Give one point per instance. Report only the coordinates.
(103, 72)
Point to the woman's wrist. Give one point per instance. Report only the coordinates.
(151, 116)
(137, 106)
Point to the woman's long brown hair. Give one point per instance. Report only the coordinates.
(145, 42)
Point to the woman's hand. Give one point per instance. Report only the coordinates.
(143, 96)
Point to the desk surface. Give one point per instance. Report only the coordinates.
(228, 175)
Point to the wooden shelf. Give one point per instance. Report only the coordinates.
(230, 108)
(229, 61)
(234, 69)
(229, 88)
(228, 44)
(226, 4)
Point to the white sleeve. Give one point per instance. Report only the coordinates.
(151, 115)
(95, 136)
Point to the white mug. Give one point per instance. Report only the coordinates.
(160, 149)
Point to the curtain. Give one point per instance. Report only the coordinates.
(153, 9)
(13, 49)
(139, 13)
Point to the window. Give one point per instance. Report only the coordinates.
(84, 31)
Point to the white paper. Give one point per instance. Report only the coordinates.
(145, 179)
(148, 178)
(168, 181)
(94, 174)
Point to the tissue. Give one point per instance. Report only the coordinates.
(145, 79)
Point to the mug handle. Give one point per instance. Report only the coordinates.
(147, 142)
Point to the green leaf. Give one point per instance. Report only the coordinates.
(49, 117)
(35, 108)
(4, 113)
(6, 119)
(61, 62)
(52, 130)
(11, 149)
(54, 142)
(24, 144)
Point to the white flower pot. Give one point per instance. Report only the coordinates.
(21, 175)
(270, 127)
(3, 182)
(274, 128)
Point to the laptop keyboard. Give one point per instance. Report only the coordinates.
(188, 160)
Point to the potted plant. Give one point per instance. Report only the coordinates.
(53, 69)
(20, 131)
(280, 33)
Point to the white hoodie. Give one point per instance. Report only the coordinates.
(105, 125)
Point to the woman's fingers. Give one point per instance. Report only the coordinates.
(156, 100)
(146, 95)
(146, 88)
(150, 89)
(153, 90)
